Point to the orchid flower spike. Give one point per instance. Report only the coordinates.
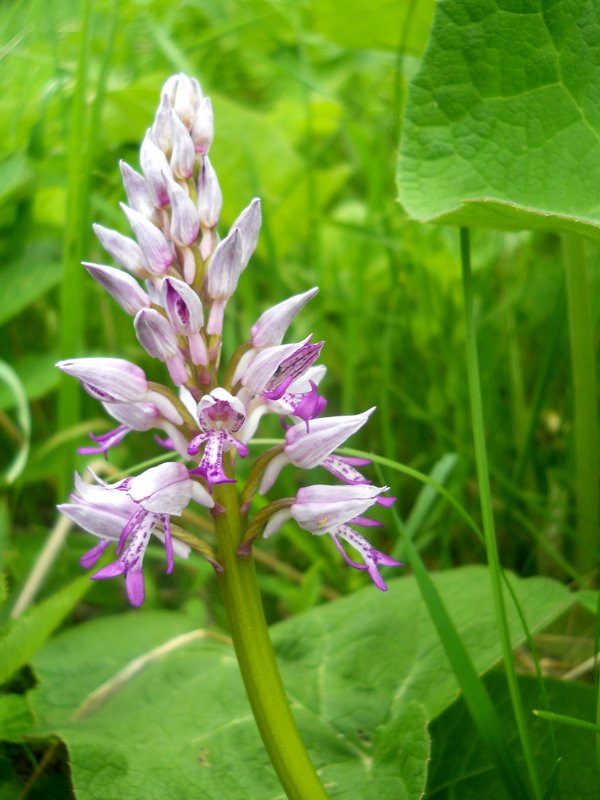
(175, 276)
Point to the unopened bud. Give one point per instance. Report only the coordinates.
(187, 99)
(183, 155)
(185, 221)
(127, 253)
(249, 222)
(124, 289)
(157, 337)
(138, 193)
(203, 127)
(210, 198)
(155, 247)
(155, 167)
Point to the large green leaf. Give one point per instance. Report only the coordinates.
(364, 675)
(460, 768)
(502, 121)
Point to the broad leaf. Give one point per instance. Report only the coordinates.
(460, 766)
(363, 674)
(502, 121)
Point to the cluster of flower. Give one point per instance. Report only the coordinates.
(187, 272)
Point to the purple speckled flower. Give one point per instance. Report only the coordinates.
(129, 512)
(322, 509)
(220, 415)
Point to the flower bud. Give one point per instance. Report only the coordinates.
(271, 326)
(161, 129)
(224, 271)
(155, 247)
(125, 251)
(139, 196)
(124, 289)
(188, 96)
(249, 222)
(203, 128)
(183, 155)
(157, 337)
(210, 198)
(155, 167)
(183, 306)
(185, 221)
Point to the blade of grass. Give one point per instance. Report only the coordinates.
(476, 697)
(564, 719)
(585, 396)
(83, 134)
(428, 496)
(71, 299)
(540, 390)
(487, 512)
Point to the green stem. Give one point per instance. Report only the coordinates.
(485, 496)
(255, 655)
(585, 396)
(71, 301)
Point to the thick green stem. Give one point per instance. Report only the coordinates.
(485, 496)
(585, 396)
(255, 655)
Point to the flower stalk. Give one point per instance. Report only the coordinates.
(256, 659)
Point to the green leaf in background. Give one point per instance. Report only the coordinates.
(16, 177)
(381, 24)
(364, 675)
(4, 529)
(503, 118)
(588, 599)
(38, 374)
(28, 633)
(15, 717)
(28, 278)
(22, 434)
(458, 770)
